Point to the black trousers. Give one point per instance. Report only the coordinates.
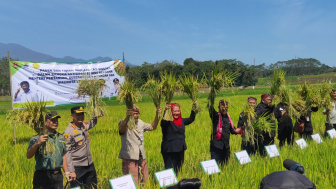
(329, 127)
(173, 160)
(86, 177)
(220, 155)
(306, 135)
(250, 149)
(285, 134)
(262, 142)
(48, 179)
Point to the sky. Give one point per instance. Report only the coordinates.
(260, 31)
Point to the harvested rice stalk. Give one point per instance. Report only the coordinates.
(325, 91)
(217, 81)
(129, 94)
(277, 81)
(154, 89)
(169, 86)
(93, 88)
(33, 114)
(254, 128)
(190, 86)
(309, 95)
(300, 107)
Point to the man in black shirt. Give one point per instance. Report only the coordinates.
(221, 128)
(265, 109)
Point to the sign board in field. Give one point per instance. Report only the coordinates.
(301, 143)
(332, 133)
(272, 151)
(166, 177)
(243, 157)
(317, 138)
(124, 182)
(210, 167)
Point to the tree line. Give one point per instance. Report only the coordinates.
(247, 74)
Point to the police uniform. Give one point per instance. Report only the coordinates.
(78, 156)
(48, 166)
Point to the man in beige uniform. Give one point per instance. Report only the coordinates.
(132, 150)
(79, 159)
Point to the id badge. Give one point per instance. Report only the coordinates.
(307, 118)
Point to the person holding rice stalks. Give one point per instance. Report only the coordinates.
(48, 166)
(285, 124)
(330, 113)
(132, 150)
(222, 127)
(79, 158)
(305, 119)
(246, 145)
(265, 109)
(173, 137)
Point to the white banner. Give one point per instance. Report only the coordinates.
(56, 83)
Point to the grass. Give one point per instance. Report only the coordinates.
(317, 159)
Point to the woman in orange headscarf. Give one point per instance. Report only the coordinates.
(173, 137)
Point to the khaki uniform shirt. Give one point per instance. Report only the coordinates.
(78, 144)
(132, 141)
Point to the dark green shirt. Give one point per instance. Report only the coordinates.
(52, 158)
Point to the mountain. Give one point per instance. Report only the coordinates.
(22, 53)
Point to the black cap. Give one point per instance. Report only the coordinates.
(115, 80)
(52, 115)
(77, 110)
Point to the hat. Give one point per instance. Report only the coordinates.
(77, 110)
(264, 96)
(52, 115)
(115, 80)
(136, 108)
(223, 103)
(251, 98)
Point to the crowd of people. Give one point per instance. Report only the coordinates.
(73, 155)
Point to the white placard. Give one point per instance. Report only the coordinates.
(302, 143)
(272, 151)
(210, 167)
(124, 182)
(332, 133)
(166, 177)
(243, 157)
(317, 138)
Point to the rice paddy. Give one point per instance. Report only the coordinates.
(317, 159)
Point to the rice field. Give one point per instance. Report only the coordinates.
(317, 159)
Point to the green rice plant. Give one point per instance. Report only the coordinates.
(190, 86)
(93, 88)
(278, 80)
(154, 88)
(129, 94)
(309, 94)
(169, 86)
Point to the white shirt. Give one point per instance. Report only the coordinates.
(30, 96)
(332, 113)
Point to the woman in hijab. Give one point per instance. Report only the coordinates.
(173, 137)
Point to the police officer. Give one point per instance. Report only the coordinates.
(79, 157)
(49, 160)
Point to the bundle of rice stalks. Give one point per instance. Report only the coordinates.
(255, 128)
(219, 80)
(155, 89)
(325, 91)
(129, 94)
(300, 108)
(309, 95)
(93, 88)
(33, 114)
(277, 81)
(169, 86)
(190, 86)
